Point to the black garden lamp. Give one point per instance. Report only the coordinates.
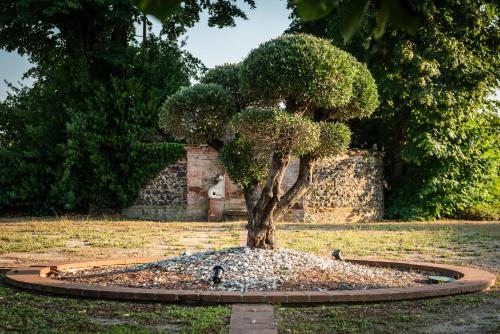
(337, 254)
(217, 275)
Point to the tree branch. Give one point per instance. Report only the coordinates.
(299, 188)
(271, 193)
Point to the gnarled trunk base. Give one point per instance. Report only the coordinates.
(261, 237)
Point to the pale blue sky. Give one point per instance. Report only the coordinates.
(212, 45)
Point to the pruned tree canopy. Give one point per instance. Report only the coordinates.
(299, 70)
(197, 114)
(228, 76)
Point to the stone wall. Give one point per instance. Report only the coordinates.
(346, 188)
(168, 188)
(163, 198)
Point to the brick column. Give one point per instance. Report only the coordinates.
(215, 209)
(203, 170)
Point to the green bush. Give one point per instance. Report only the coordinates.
(364, 99)
(334, 139)
(197, 114)
(274, 128)
(91, 143)
(436, 123)
(246, 165)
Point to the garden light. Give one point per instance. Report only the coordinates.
(440, 279)
(217, 275)
(337, 254)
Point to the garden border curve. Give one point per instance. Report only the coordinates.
(469, 280)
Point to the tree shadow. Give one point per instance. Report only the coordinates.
(394, 226)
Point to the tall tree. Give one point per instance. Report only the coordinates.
(86, 135)
(236, 110)
(436, 120)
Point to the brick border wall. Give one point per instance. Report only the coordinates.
(34, 278)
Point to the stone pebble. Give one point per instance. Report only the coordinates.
(259, 269)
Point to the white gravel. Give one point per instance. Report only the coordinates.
(258, 269)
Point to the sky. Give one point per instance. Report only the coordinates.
(212, 46)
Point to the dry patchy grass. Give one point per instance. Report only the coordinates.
(38, 240)
(29, 241)
(467, 243)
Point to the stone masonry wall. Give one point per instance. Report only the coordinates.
(168, 188)
(163, 198)
(346, 188)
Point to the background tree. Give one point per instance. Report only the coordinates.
(86, 135)
(319, 86)
(436, 121)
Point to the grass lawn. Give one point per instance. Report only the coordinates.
(30, 241)
(25, 312)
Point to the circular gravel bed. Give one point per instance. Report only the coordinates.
(249, 270)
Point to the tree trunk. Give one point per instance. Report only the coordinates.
(261, 234)
(260, 218)
(264, 212)
(299, 188)
(397, 162)
(144, 28)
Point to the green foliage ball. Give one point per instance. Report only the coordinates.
(307, 70)
(246, 166)
(334, 139)
(228, 76)
(197, 114)
(364, 100)
(267, 128)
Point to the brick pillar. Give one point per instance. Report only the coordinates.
(215, 209)
(203, 170)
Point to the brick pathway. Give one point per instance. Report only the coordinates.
(252, 319)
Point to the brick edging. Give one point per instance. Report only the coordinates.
(34, 278)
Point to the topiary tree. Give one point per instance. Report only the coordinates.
(290, 95)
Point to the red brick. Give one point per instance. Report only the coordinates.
(297, 297)
(473, 280)
(341, 296)
(231, 297)
(275, 297)
(455, 288)
(167, 296)
(253, 297)
(72, 289)
(210, 296)
(319, 297)
(398, 294)
(188, 296)
(378, 295)
(90, 292)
